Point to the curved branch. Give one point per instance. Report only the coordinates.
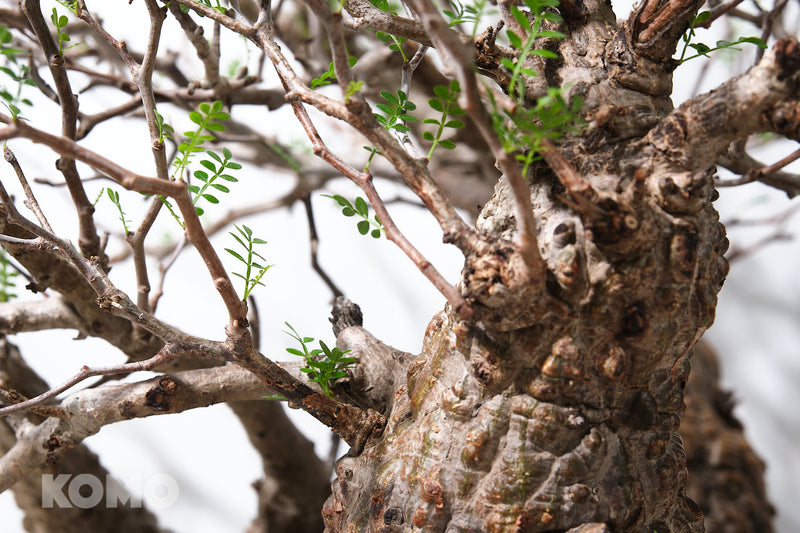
(700, 131)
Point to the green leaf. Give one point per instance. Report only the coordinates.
(428, 136)
(208, 164)
(436, 104)
(552, 34)
(700, 18)
(363, 227)
(454, 124)
(348, 211)
(361, 206)
(701, 48)
(520, 17)
(514, 39)
(754, 40)
(542, 52)
(215, 126)
(447, 144)
(390, 97)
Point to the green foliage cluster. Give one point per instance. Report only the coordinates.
(395, 42)
(209, 181)
(326, 78)
(361, 208)
(218, 7)
(703, 49)
(254, 271)
(445, 102)
(461, 14)
(539, 11)
(392, 116)
(323, 365)
(165, 131)
(209, 118)
(114, 197)
(523, 128)
(18, 72)
(60, 22)
(8, 277)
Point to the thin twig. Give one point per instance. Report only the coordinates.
(459, 57)
(30, 201)
(88, 239)
(314, 238)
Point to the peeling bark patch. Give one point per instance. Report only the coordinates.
(376, 505)
(683, 250)
(126, 410)
(642, 411)
(393, 516)
(787, 57)
(615, 364)
(157, 398)
(635, 320)
(52, 444)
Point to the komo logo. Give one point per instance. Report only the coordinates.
(86, 491)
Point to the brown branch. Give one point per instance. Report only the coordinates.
(695, 137)
(314, 242)
(718, 11)
(365, 15)
(205, 52)
(30, 201)
(459, 57)
(167, 354)
(364, 181)
(38, 315)
(237, 309)
(656, 26)
(752, 170)
(88, 240)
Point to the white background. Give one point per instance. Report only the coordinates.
(756, 332)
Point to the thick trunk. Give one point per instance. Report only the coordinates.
(558, 409)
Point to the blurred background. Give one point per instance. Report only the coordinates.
(756, 333)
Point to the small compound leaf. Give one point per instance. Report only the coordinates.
(436, 104)
(701, 18)
(361, 206)
(514, 39)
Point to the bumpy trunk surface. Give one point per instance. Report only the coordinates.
(558, 409)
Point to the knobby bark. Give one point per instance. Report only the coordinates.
(549, 392)
(558, 409)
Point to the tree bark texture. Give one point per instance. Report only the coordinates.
(558, 409)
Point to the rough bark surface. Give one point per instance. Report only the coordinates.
(559, 409)
(726, 478)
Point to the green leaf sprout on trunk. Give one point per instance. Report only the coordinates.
(323, 365)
